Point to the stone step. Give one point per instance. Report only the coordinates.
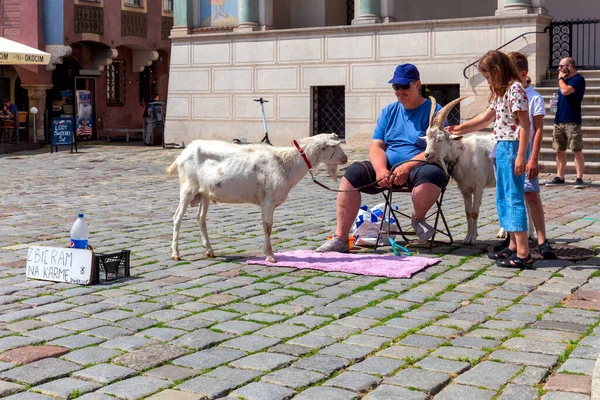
(547, 153)
(549, 166)
(589, 82)
(586, 120)
(588, 142)
(587, 110)
(592, 92)
(589, 131)
(587, 74)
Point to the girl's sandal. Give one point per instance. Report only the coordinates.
(501, 254)
(515, 261)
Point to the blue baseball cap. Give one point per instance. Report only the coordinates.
(405, 73)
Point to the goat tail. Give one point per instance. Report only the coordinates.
(172, 168)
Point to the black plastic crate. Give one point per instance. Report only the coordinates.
(109, 267)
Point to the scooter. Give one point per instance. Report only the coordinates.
(265, 139)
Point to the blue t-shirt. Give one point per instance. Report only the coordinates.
(401, 130)
(569, 107)
(13, 110)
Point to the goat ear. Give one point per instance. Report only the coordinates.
(455, 137)
(334, 136)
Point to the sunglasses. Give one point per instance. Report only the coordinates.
(396, 86)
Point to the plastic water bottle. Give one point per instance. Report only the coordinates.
(79, 233)
(554, 103)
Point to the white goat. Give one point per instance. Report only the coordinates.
(469, 158)
(256, 174)
(472, 167)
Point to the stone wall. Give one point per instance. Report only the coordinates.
(213, 78)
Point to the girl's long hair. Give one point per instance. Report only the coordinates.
(501, 70)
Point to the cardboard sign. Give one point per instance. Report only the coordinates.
(60, 264)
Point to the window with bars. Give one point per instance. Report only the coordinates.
(329, 110)
(134, 3)
(349, 11)
(443, 94)
(115, 83)
(168, 5)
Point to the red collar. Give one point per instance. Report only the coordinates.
(302, 154)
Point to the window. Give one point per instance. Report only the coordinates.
(168, 5)
(134, 3)
(115, 83)
(444, 94)
(329, 110)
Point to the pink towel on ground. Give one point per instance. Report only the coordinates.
(361, 264)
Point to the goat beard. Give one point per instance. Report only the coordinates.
(332, 171)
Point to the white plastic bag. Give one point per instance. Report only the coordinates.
(366, 226)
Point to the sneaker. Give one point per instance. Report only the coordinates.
(556, 181)
(547, 251)
(335, 244)
(579, 183)
(423, 229)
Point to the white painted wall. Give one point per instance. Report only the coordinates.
(213, 78)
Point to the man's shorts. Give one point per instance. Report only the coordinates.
(362, 173)
(532, 185)
(567, 132)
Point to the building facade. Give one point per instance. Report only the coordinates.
(324, 65)
(113, 54)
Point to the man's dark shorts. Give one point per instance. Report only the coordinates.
(362, 173)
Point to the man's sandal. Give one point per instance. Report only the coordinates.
(501, 254)
(515, 261)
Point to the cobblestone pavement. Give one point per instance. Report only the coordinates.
(217, 328)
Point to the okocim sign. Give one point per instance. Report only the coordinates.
(14, 53)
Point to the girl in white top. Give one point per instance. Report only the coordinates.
(509, 111)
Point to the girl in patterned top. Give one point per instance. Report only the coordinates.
(509, 108)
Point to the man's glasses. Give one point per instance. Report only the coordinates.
(563, 66)
(396, 86)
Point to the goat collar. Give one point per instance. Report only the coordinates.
(303, 155)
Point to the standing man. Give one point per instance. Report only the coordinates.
(11, 111)
(567, 122)
(148, 121)
(398, 139)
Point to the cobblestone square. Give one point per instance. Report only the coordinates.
(219, 328)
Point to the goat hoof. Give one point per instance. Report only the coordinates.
(175, 258)
(271, 259)
(469, 242)
(210, 253)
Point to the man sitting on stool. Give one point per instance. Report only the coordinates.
(398, 137)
